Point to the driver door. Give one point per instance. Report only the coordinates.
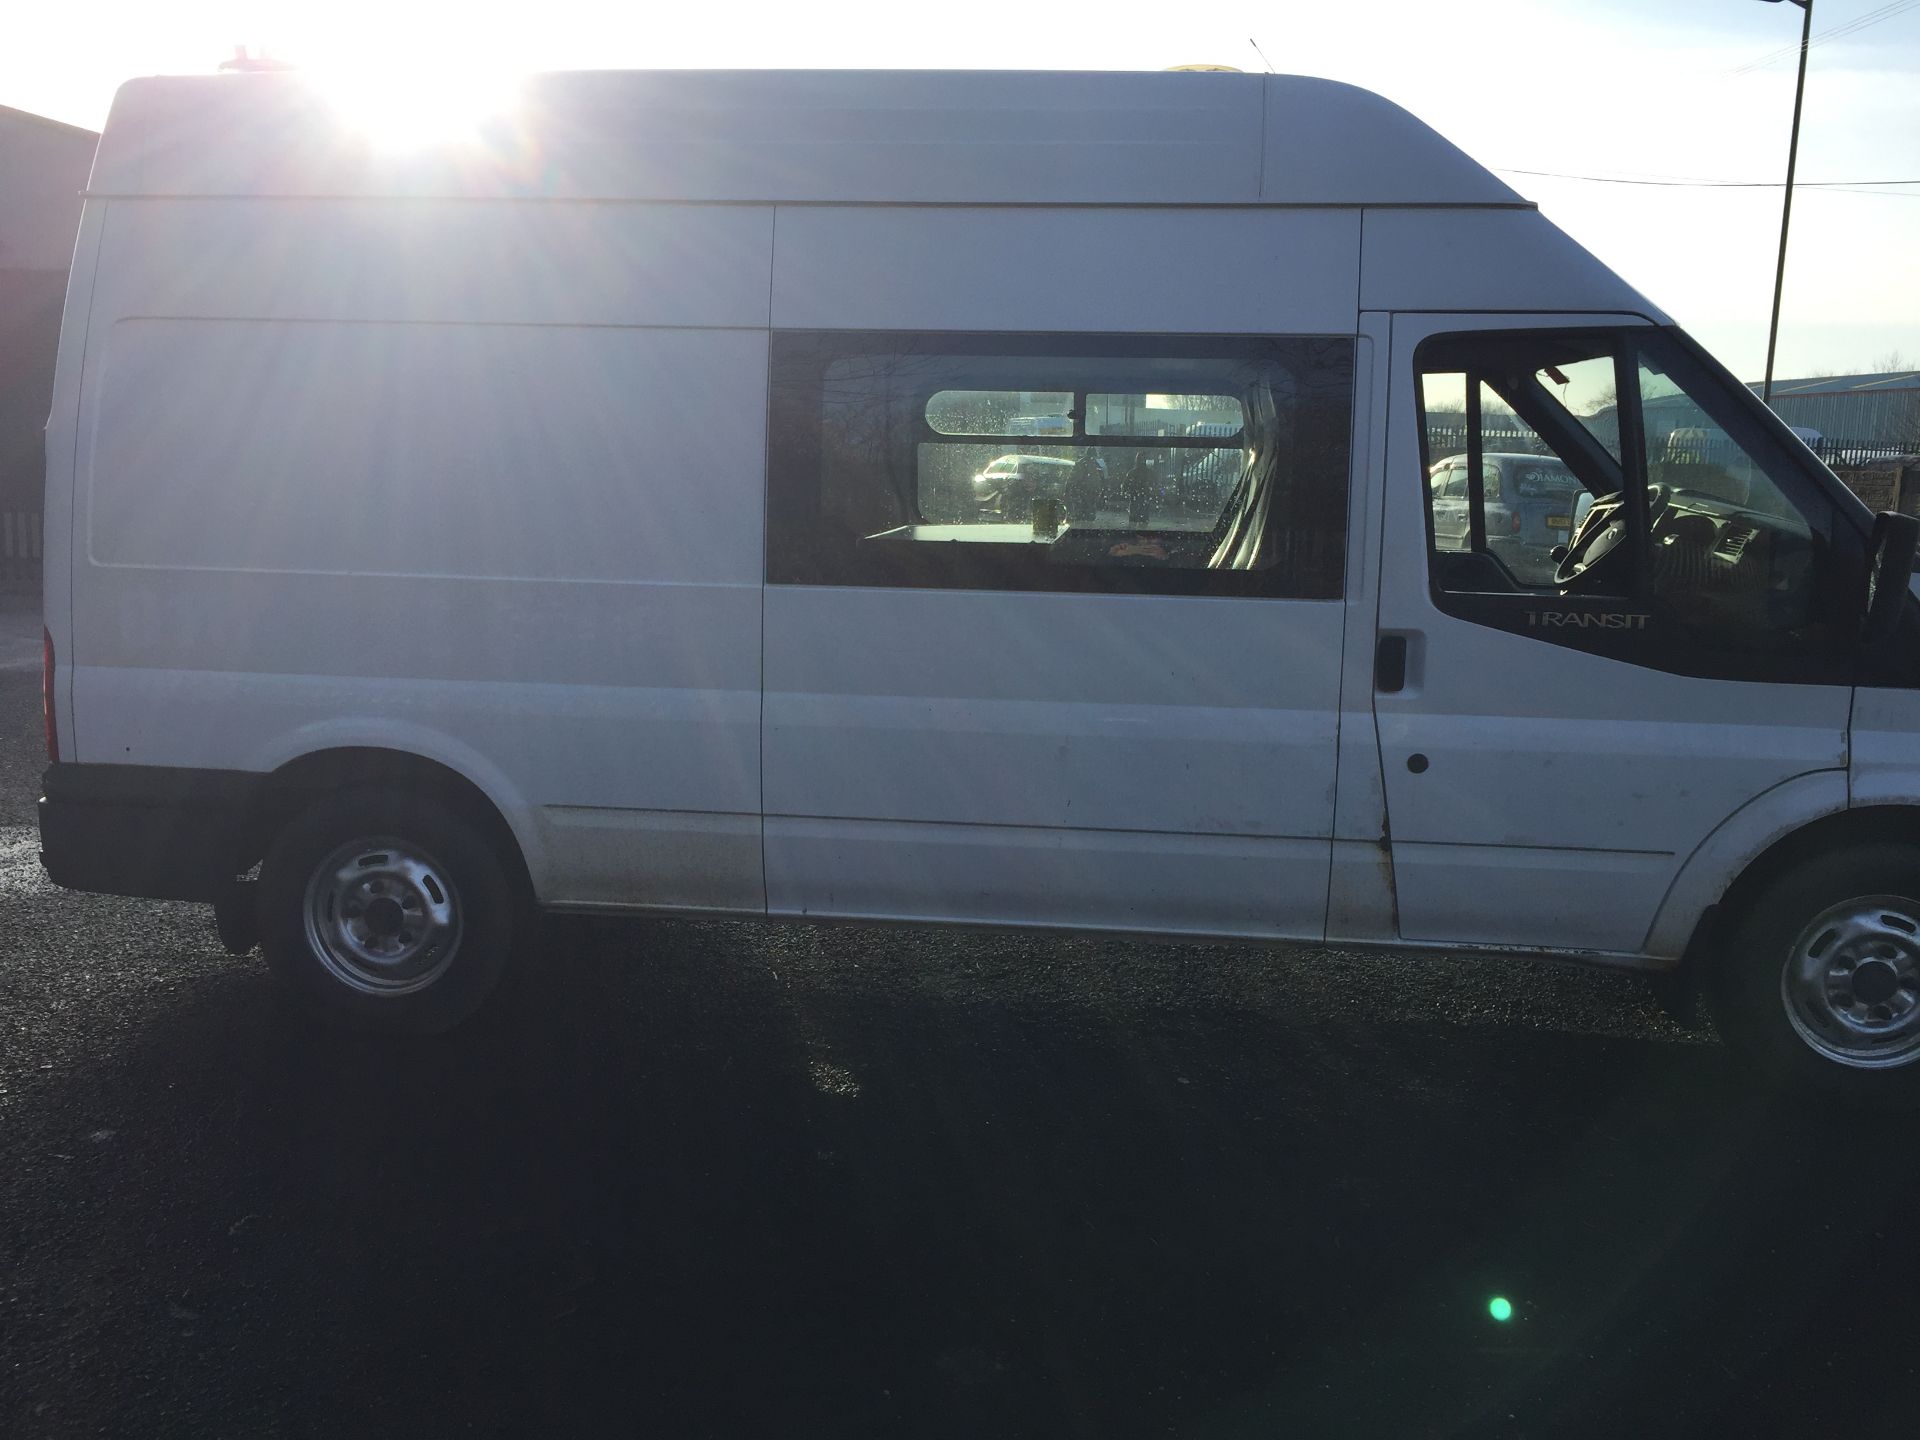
(1554, 752)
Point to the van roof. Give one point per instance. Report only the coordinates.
(925, 137)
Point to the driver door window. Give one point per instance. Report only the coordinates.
(1610, 491)
(1516, 433)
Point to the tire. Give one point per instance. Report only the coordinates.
(1817, 985)
(384, 910)
(236, 918)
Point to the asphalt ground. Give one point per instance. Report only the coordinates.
(716, 1179)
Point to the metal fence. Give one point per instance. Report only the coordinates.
(1838, 453)
(1445, 441)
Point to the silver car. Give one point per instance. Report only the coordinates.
(1529, 503)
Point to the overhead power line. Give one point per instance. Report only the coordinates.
(1837, 32)
(1864, 187)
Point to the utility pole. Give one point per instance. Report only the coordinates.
(1786, 204)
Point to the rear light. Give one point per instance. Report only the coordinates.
(46, 696)
(1513, 523)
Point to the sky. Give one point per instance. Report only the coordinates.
(1628, 89)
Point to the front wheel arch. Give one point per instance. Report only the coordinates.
(1874, 824)
(1678, 987)
(1814, 978)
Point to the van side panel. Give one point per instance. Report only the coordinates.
(401, 495)
(1486, 260)
(1885, 722)
(492, 263)
(63, 423)
(1117, 762)
(1173, 271)
(488, 452)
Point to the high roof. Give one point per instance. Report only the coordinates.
(982, 137)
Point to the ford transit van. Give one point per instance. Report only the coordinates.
(583, 514)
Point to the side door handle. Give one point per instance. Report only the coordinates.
(1390, 664)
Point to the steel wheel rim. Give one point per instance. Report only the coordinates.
(382, 916)
(1851, 983)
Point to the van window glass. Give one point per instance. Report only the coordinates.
(1586, 389)
(1000, 412)
(1501, 534)
(1166, 465)
(1660, 512)
(1211, 416)
(1732, 554)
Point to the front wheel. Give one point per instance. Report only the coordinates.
(385, 910)
(1819, 983)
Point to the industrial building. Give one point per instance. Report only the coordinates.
(1870, 413)
(43, 170)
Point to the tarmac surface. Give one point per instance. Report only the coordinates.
(717, 1179)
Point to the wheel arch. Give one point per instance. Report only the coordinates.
(1864, 824)
(313, 774)
(1730, 850)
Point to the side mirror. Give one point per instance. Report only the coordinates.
(1896, 537)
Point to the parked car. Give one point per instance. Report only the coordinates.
(1008, 486)
(1529, 502)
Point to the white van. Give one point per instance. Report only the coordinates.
(579, 516)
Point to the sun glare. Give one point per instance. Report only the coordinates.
(412, 109)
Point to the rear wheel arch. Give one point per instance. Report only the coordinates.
(304, 781)
(387, 907)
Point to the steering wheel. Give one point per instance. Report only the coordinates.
(1604, 533)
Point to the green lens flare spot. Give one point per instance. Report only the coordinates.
(1500, 1308)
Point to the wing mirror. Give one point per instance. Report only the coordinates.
(1896, 537)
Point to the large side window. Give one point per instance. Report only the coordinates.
(1176, 465)
(1608, 490)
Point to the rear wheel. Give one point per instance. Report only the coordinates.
(385, 910)
(1819, 983)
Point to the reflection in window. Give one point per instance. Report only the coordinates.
(1214, 416)
(1528, 501)
(1000, 412)
(1585, 389)
(1173, 489)
(1730, 552)
(1688, 450)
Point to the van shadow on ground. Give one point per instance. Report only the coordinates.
(833, 1183)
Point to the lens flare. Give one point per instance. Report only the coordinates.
(415, 108)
